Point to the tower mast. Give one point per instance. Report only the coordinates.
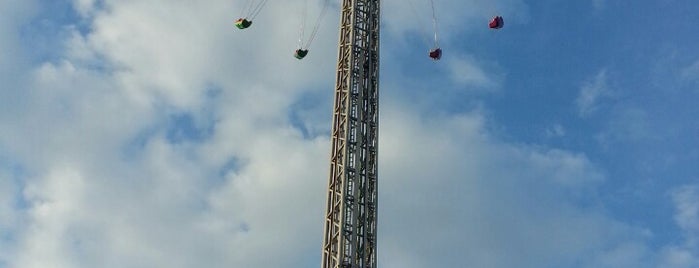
(349, 239)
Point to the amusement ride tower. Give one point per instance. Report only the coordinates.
(349, 239)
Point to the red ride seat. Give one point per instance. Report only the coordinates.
(436, 54)
(496, 23)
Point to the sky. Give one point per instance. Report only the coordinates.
(153, 133)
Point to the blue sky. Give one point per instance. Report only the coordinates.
(156, 134)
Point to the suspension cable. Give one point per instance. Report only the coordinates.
(423, 31)
(434, 23)
(256, 10)
(304, 12)
(317, 24)
(245, 9)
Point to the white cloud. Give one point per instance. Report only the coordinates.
(687, 209)
(84, 7)
(626, 124)
(685, 254)
(691, 73)
(466, 72)
(106, 188)
(47, 241)
(591, 93)
(471, 199)
(557, 130)
(676, 257)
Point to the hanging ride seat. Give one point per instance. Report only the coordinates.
(436, 54)
(300, 53)
(496, 23)
(242, 23)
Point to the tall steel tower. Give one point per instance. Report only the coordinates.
(350, 219)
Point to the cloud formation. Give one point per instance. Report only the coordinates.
(591, 93)
(163, 137)
(691, 73)
(684, 255)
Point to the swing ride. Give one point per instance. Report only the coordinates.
(242, 23)
(496, 23)
(350, 224)
(249, 12)
(305, 43)
(253, 7)
(435, 53)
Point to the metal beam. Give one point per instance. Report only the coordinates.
(349, 239)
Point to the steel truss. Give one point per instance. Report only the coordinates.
(349, 239)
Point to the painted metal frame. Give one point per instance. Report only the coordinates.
(350, 227)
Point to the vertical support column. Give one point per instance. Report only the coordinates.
(350, 227)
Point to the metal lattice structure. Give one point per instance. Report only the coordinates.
(352, 201)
